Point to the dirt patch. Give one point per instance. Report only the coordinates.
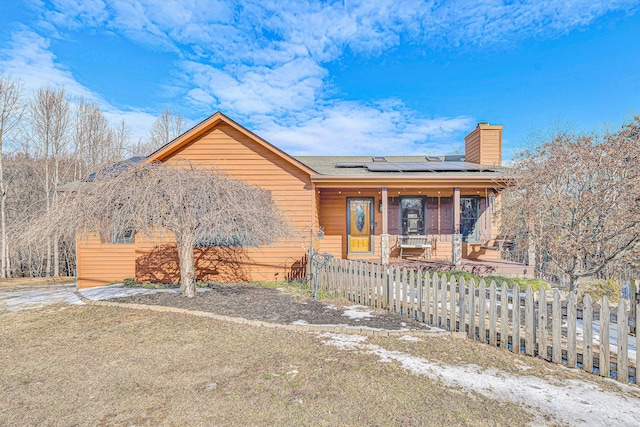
(276, 306)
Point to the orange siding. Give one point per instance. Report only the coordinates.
(100, 263)
(484, 145)
(234, 153)
(472, 147)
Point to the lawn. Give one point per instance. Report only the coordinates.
(89, 365)
(101, 365)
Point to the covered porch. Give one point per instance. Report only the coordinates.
(368, 222)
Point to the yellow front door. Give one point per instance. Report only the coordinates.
(359, 225)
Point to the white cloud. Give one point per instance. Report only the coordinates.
(325, 28)
(343, 128)
(264, 62)
(29, 59)
(247, 90)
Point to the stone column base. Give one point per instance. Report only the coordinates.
(384, 249)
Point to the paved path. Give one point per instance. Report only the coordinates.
(25, 298)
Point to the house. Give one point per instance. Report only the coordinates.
(349, 206)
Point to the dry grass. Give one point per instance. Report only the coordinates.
(35, 281)
(106, 366)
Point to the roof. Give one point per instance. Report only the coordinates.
(114, 169)
(398, 166)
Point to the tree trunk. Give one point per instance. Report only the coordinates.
(3, 209)
(187, 267)
(48, 267)
(573, 283)
(56, 257)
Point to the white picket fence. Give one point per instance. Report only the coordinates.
(561, 330)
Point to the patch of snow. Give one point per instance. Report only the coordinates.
(100, 293)
(300, 322)
(571, 401)
(344, 342)
(331, 307)
(357, 312)
(409, 338)
(38, 297)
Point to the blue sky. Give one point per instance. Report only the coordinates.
(339, 77)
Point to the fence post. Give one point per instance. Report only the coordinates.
(504, 317)
(443, 301)
(411, 287)
(605, 316)
(633, 295)
(572, 314)
(427, 298)
(482, 311)
(388, 273)
(623, 342)
(542, 324)
(515, 303)
(419, 284)
(529, 322)
(637, 338)
(493, 321)
(452, 304)
(472, 309)
(462, 308)
(436, 283)
(556, 328)
(587, 334)
(377, 283)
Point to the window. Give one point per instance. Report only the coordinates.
(126, 237)
(412, 215)
(469, 214)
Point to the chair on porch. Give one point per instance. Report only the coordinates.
(415, 242)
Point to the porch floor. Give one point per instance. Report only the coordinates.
(476, 266)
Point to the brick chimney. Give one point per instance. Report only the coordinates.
(484, 145)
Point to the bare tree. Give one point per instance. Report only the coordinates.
(95, 142)
(122, 134)
(11, 110)
(576, 198)
(197, 205)
(49, 114)
(165, 129)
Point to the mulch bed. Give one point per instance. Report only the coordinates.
(274, 306)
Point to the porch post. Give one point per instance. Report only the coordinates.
(456, 210)
(384, 237)
(456, 241)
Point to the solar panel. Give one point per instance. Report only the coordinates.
(383, 167)
(424, 167)
(350, 164)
